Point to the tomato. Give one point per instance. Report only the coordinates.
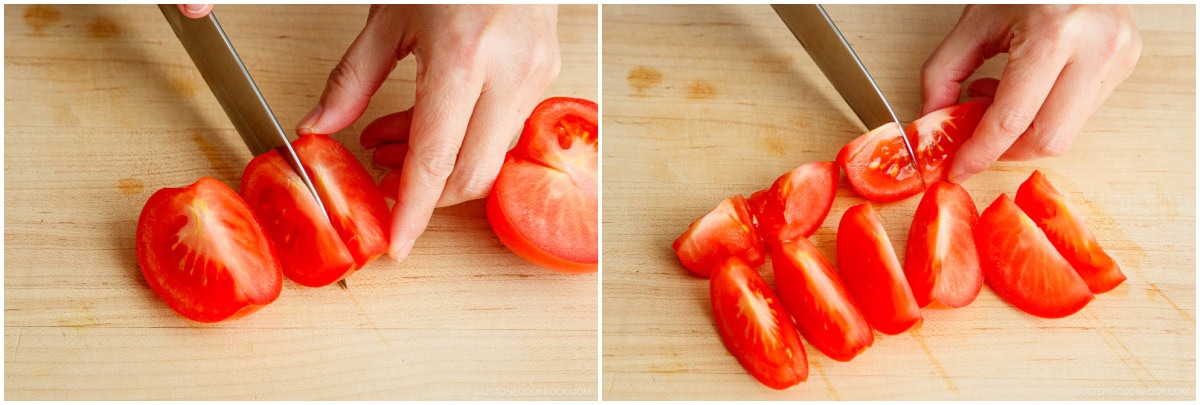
(1024, 268)
(316, 250)
(872, 273)
(204, 253)
(725, 232)
(877, 163)
(544, 205)
(1051, 211)
(814, 295)
(796, 203)
(941, 263)
(755, 327)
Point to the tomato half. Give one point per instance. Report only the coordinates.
(796, 203)
(316, 250)
(877, 164)
(814, 295)
(545, 201)
(872, 273)
(941, 263)
(725, 232)
(755, 327)
(1024, 268)
(202, 250)
(1051, 211)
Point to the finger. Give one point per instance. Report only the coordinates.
(390, 184)
(390, 155)
(391, 128)
(195, 10)
(954, 60)
(495, 122)
(1072, 100)
(984, 87)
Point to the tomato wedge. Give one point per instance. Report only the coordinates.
(755, 327)
(1024, 268)
(725, 232)
(545, 202)
(877, 164)
(203, 252)
(796, 203)
(941, 263)
(823, 309)
(1051, 211)
(872, 273)
(316, 250)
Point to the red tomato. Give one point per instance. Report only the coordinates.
(725, 232)
(1021, 264)
(876, 163)
(814, 295)
(545, 201)
(872, 273)
(941, 262)
(1067, 232)
(202, 250)
(317, 251)
(755, 327)
(796, 203)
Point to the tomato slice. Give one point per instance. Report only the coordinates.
(877, 164)
(872, 273)
(755, 327)
(941, 263)
(1024, 268)
(544, 205)
(315, 250)
(204, 253)
(823, 309)
(725, 232)
(797, 202)
(1051, 211)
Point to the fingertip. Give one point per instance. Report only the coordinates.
(399, 249)
(195, 10)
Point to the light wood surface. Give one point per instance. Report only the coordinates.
(103, 107)
(703, 102)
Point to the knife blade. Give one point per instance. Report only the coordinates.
(837, 60)
(227, 77)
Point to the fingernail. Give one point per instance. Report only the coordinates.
(306, 124)
(957, 176)
(194, 8)
(399, 249)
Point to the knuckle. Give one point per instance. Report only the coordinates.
(437, 163)
(1014, 122)
(475, 186)
(346, 77)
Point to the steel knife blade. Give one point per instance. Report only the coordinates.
(837, 60)
(227, 77)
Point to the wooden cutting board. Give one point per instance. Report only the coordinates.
(103, 107)
(704, 102)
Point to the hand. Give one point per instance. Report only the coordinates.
(480, 71)
(195, 10)
(1064, 61)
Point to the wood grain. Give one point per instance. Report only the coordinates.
(103, 107)
(703, 102)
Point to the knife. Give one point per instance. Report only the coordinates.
(231, 83)
(829, 49)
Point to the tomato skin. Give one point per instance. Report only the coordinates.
(725, 232)
(814, 295)
(544, 205)
(755, 327)
(941, 262)
(1051, 211)
(796, 203)
(202, 250)
(1024, 268)
(872, 273)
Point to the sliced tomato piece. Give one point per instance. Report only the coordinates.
(725, 232)
(204, 253)
(941, 263)
(796, 203)
(1051, 211)
(544, 205)
(755, 327)
(872, 273)
(823, 309)
(877, 164)
(1024, 268)
(318, 250)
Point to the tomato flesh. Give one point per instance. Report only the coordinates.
(814, 295)
(755, 327)
(202, 250)
(1024, 268)
(725, 232)
(872, 273)
(941, 262)
(796, 203)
